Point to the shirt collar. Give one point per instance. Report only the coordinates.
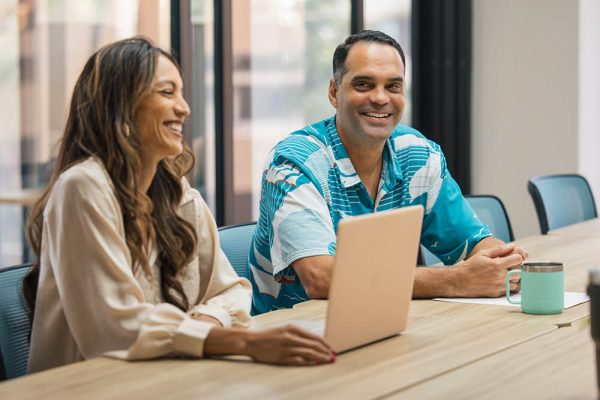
(391, 172)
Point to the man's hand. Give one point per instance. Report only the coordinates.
(518, 250)
(493, 242)
(484, 273)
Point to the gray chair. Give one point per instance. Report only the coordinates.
(561, 200)
(490, 210)
(235, 242)
(15, 326)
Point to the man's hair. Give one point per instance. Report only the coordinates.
(341, 52)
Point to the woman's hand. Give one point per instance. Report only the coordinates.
(288, 345)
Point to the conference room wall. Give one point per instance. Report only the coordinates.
(535, 98)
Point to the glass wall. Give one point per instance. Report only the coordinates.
(203, 98)
(282, 54)
(281, 65)
(393, 17)
(44, 46)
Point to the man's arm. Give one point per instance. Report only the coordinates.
(483, 274)
(315, 275)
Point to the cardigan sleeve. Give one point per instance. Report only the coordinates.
(223, 294)
(103, 303)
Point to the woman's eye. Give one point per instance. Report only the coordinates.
(167, 92)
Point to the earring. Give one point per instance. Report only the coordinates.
(126, 130)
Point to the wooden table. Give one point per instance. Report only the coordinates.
(449, 350)
(558, 365)
(429, 347)
(589, 228)
(23, 197)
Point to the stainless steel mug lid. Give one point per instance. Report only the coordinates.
(542, 266)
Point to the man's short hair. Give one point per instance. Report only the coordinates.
(341, 52)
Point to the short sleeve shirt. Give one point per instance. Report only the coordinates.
(309, 185)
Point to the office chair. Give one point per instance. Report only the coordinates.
(15, 325)
(235, 242)
(561, 200)
(490, 210)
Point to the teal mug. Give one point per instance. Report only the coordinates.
(542, 287)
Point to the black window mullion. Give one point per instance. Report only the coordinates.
(223, 111)
(181, 48)
(357, 18)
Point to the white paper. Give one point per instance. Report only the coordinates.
(571, 299)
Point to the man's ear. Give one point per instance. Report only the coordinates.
(332, 93)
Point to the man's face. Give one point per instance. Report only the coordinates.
(370, 99)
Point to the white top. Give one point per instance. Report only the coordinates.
(89, 301)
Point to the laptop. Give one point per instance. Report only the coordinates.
(373, 276)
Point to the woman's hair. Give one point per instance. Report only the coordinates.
(101, 123)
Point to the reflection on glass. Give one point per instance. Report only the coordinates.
(393, 17)
(282, 53)
(44, 46)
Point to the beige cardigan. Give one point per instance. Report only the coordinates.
(89, 302)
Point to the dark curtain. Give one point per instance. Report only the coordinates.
(442, 80)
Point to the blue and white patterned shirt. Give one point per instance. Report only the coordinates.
(309, 185)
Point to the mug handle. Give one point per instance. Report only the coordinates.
(514, 271)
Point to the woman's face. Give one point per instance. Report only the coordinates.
(161, 113)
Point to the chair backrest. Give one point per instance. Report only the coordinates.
(561, 200)
(491, 212)
(235, 242)
(15, 326)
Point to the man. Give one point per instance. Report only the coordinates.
(361, 161)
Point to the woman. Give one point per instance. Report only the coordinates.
(129, 259)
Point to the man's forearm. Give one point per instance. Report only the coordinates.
(435, 282)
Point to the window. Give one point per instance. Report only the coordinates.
(44, 46)
(282, 54)
(203, 98)
(280, 51)
(394, 18)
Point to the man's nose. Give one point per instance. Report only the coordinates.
(379, 96)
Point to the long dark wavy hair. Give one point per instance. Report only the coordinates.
(101, 123)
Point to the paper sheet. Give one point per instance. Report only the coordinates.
(571, 299)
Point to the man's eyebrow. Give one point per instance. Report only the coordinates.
(397, 79)
(370, 78)
(362, 78)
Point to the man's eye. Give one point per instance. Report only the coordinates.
(361, 85)
(395, 87)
